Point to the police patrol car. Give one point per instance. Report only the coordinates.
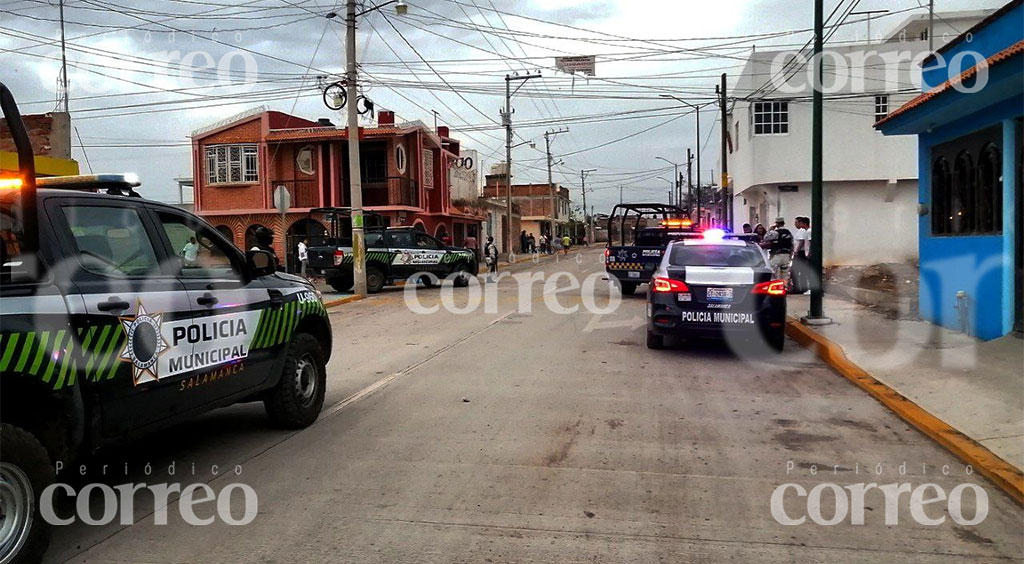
(716, 286)
(393, 253)
(120, 316)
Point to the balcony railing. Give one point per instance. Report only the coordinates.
(304, 193)
(390, 191)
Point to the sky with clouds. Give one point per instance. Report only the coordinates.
(144, 75)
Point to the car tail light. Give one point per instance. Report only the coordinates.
(607, 253)
(771, 288)
(668, 285)
(339, 255)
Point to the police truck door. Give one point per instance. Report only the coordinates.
(227, 308)
(123, 308)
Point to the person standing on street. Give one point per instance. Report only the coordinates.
(747, 229)
(531, 243)
(190, 252)
(779, 242)
(566, 243)
(760, 231)
(523, 242)
(801, 274)
(543, 243)
(303, 253)
(491, 259)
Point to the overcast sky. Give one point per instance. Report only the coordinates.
(134, 113)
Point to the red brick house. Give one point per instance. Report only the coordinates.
(238, 163)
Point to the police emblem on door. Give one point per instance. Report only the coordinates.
(144, 344)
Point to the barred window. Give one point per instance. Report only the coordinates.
(231, 164)
(771, 118)
(881, 107)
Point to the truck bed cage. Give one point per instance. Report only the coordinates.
(642, 210)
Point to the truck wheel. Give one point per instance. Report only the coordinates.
(296, 401)
(777, 340)
(427, 280)
(25, 471)
(628, 288)
(340, 284)
(462, 275)
(655, 341)
(374, 280)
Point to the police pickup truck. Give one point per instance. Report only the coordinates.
(120, 316)
(636, 244)
(392, 253)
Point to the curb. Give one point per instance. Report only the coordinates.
(341, 301)
(1003, 474)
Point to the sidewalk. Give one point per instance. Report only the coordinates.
(975, 387)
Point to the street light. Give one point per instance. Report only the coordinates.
(671, 189)
(354, 173)
(696, 108)
(676, 185)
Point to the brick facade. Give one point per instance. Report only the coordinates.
(50, 135)
(399, 193)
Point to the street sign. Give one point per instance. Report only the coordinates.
(282, 199)
(585, 64)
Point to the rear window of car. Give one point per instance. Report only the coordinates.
(716, 255)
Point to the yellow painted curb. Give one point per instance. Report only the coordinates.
(1002, 473)
(340, 301)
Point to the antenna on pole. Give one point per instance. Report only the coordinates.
(62, 103)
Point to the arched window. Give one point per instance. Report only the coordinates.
(963, 194)
(226, 232)
(989, 195)
(941, 195)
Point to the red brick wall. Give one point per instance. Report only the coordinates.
(40, 133)
(235, 196)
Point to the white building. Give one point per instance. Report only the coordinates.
(870, 180)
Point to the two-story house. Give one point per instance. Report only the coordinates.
(239, 162)
(870, 180)
(533, 201)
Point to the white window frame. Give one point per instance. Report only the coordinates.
(881, 106)
(232, 164)
(775, 114)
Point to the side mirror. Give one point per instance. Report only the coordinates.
(260, 263)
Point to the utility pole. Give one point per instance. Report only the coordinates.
(696, 109)
(931, 26)
(815, 316)
(506, 121)
(63, 64)
(355, 184)
(727, 212)
(551, 187)
(354, 174)
(689, 182)
(583, 190)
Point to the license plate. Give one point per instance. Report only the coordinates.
(719, 294)
(634, 275)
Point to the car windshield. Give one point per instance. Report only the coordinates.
(716, 255)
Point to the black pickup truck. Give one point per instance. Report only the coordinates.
(120, 316)
(392, 253)
(636, 244)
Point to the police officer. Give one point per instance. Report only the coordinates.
(779, 242)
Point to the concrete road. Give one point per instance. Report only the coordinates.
(524, 435)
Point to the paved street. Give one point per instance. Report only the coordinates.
(541, 437)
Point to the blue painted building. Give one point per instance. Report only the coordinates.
(968, 120)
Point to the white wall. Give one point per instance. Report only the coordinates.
(864, 222)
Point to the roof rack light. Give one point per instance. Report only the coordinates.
(113, 184)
